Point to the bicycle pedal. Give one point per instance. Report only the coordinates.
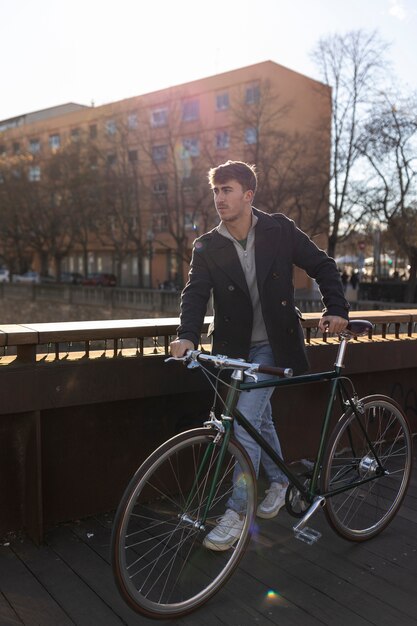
(307, 535)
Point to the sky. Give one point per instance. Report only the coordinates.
(100, 51)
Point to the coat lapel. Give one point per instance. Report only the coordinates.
(223, 253)
(267, 245)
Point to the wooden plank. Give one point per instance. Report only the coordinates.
(17, 334)
(91, 569)
(76, 598)
(231, 605)
(345, 580)
(25, 594)
(7, 615)
(292, 579)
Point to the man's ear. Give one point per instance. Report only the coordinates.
(249, 195)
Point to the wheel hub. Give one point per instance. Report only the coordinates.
(368, 467)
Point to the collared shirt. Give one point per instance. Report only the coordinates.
(247, 261)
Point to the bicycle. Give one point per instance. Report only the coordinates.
(360, 477)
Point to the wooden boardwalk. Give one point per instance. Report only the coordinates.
(68, 580)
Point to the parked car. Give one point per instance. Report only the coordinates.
(75, 278)
(4, 275)
(100, 280)
(47, 278)
(27, 277)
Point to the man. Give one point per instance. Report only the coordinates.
(246, 262)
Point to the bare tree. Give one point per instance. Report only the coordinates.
(14, 191)
(353, 65)
(293, 166)
(80, 179)
(178, 157)
(49, 221)
(389, 145)
(120, 223)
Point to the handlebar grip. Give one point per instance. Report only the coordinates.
(282, 372)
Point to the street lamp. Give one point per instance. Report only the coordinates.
(149, 241)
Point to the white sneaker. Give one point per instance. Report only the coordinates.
(226, 533)
(273, 501)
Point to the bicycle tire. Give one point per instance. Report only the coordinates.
(365, 510)
(165, 571)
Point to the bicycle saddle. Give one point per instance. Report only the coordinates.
(357, 328)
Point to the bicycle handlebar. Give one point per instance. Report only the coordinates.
(224, 362)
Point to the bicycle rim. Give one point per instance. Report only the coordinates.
(160, 564)
(366, 509)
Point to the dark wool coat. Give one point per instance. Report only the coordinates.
(215, 268)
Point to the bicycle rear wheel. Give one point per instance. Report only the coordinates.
(160, 564)
(366, 509)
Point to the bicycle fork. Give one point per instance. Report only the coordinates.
(219, 441)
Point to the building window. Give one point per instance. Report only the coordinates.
(190, 110)
(132, 121)
(111, 127)
(16, 147)
(222, 140)
(160, 187)
(111, 159)
(251, 135)
(252, 94)
(159, 117)
(54, 141)
(222, 101)
(93, 131)
(132, 156)
(191, 146)
(160, 222)
(160, 153)
(93, 161)
(2, 150)
(75, 134)
(34, 173)
(34, 146)
(189, 223)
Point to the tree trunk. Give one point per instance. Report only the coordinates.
(412, 280)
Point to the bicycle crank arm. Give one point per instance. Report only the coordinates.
(301, 530)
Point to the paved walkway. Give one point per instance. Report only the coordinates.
(68, 580)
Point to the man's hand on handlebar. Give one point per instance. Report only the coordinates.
(332, 324)
(179, 347)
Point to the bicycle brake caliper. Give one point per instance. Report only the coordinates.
(213, 422)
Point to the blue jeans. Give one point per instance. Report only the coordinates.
(255, 405)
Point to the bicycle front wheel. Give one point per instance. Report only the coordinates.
(371, 455)
(161, 567)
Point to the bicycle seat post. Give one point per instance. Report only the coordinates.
(341, 353)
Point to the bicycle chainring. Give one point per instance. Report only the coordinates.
(295, 503)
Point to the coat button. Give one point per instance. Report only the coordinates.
(226, 318)
(231, 288)
(275, 275)
(290, 331)
(284, 303)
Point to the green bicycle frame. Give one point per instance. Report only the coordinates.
(231, 412)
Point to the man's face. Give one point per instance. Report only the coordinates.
(232, 203)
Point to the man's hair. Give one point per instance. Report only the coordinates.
(244, 173)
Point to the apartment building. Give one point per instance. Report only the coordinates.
(141, 166)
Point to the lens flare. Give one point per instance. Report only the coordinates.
(273, 598)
